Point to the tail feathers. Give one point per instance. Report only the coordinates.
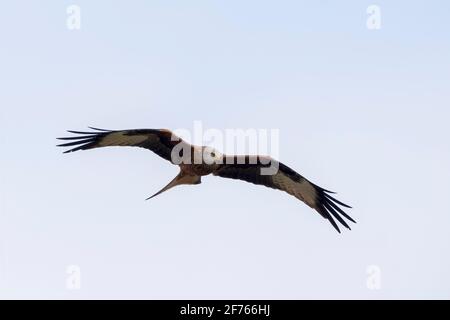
(180, 179)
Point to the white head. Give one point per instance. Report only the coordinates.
(211, 156)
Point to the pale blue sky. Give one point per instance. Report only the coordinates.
(361, 112)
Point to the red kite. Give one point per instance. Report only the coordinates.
(248, 168)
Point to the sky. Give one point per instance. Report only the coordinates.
(363, 112)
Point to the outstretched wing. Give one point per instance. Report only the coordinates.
(160, 141)
(248, 168)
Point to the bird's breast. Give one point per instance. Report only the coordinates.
(197, 169)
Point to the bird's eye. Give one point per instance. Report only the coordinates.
(213, 154)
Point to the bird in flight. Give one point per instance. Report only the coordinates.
(198, 161)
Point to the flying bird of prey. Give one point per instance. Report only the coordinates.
(248, 168)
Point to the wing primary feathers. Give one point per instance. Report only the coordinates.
(325, 190)
(104, 130)
(75, 138)
(83, 132)
(336, 215)
(330, 218)
(331, 203)
(83, 141)
(82, 147)
(337, 201)
(74, 143)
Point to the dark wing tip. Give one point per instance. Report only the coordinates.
(333, 223)
(337, 201)
(328, 207)
(98, 129)
(83, 140)
(327, 191)
(82, 132)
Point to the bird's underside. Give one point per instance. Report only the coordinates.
(195, 162)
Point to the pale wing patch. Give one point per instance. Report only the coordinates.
(120, 139)
(302, 190)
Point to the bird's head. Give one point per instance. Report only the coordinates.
(211, 156)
